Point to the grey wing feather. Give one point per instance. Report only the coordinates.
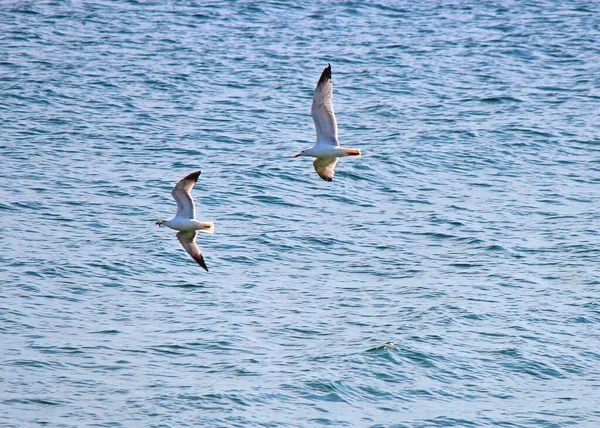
(322, 110)
(182, 193)
(325, 167)
(188, 241)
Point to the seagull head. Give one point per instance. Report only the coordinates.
(302, 153)
(159, 223)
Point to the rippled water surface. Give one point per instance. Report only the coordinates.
(448, 277)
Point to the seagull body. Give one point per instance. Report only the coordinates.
(327, 149)
(185, 218)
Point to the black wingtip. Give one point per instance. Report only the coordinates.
(326, 74)
(193, 176)
(200, 261)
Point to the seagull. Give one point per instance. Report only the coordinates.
(185, 219)
(327, 149)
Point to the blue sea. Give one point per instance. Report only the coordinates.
(449, 277)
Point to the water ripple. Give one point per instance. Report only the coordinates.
(448, 277)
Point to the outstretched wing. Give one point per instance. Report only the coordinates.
(325, 167)
(322, 110)
(182, 193)
(188, 241)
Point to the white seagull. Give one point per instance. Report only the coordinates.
(327, 149)
(185, 219)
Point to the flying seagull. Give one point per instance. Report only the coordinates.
(327, 149)
(185, 219)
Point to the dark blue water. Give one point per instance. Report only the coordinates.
(448, 277)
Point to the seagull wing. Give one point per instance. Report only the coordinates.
(322, 110)
(188, 241)
(325, 167)
(182, 193)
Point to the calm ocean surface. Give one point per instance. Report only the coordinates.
(449, 277)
